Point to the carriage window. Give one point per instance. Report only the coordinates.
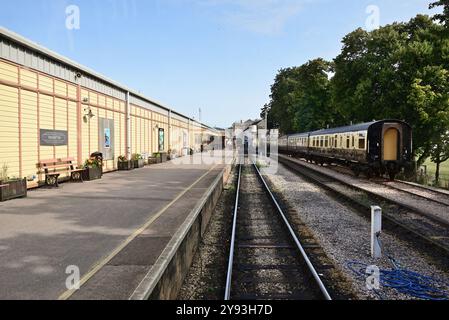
(361, 143)
(341, 142)
(353, 142)
(347, 142)
(326, 143)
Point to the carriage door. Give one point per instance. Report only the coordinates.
(390, 144)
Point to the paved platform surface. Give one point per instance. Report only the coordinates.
(113, 229)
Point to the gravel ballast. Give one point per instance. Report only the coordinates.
(345, 236)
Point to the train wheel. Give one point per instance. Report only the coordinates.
(369, 174)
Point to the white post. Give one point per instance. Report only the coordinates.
(376, 229)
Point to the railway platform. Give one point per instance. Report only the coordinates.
(121, 232)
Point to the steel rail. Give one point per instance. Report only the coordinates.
(311, 174)
(295, 239)
(388, 185)
(232, 247)
(418, 211)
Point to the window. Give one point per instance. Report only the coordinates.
(361, 143)
(326, 142)
(353, 142)
(347, 142)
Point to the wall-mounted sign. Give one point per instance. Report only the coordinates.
(106, 138)
(161, 140)
(53, 138)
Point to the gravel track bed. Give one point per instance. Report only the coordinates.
(258, 220)
(206, 278)
(345, 236)
(398, 196)
(423, 192)
(418, 222)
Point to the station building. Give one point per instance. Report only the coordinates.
(52, 107)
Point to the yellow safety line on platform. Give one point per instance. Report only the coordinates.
(67, 294)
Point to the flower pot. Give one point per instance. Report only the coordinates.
(153, 160)
(14, 189)
(138, 163)
(125, 165)
(93, 173)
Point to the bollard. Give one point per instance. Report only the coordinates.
(376, 229)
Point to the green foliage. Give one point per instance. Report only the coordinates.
(300, 98)
(122, 158)
(136, 156)
(92, 163)
(443, 18)
(4, 173)
(399, 71)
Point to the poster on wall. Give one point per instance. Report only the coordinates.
(161, 140)
(107, 138)
(106, 135)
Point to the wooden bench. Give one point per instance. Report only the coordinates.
(53, 168)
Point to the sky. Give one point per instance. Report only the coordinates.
(217, 55)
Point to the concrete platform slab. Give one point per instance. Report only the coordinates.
(113, 229)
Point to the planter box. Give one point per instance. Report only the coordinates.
(161, 156)
(90, 174)
(153, 160)
(125, 165)
(14, 189)
(138, 163)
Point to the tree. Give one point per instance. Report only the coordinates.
(440, 153)
(394, 72)
(443, 18)
(300, 98)
(399, 71)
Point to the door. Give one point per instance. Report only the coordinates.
(390, 145)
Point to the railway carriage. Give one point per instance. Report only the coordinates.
(374, 148)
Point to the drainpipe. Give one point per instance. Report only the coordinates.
(169, 130)
(128, 127)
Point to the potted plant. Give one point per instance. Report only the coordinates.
(160, 156)
(124, 163)
(154, 159)
(137, 160)
(92, 169)
(11, 188)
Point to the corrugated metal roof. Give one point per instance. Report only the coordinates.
(22, 41)
(351, 128)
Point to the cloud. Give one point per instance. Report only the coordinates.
(267, 17)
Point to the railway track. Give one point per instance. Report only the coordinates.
(430, 194)
(266, 259)
(423, 226)
(418, 191)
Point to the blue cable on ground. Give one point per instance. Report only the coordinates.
(406, 282)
